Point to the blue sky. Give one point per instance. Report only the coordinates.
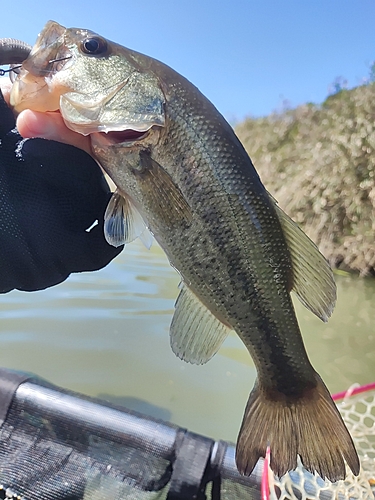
(246, 56)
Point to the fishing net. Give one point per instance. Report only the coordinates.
(358, 411)
(59, 445)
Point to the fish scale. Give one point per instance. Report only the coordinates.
(231, 232)
(181, 172)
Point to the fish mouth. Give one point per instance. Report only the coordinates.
(111, 138)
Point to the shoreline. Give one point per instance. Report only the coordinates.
(319, 164)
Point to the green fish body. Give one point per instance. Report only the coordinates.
(182, 173)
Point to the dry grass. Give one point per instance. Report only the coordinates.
(319, 163)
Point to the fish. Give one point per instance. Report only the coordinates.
(183, 175)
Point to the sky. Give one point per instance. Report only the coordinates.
(250, 58)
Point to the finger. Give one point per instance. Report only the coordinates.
(50, 125)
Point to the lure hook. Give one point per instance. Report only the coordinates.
(3, 72)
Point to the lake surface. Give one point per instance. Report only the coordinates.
(106, 334)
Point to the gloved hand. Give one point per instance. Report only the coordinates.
(50, 196)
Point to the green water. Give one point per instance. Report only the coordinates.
(106, 334)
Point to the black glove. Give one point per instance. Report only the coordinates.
(50, 195)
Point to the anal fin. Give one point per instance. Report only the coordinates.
(196, 334)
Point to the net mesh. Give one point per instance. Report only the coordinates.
(358, 411)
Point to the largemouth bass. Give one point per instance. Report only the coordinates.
(182, 173)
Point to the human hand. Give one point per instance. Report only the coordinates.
(48, 125)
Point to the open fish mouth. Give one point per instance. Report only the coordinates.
(119, 136)
(126, 137)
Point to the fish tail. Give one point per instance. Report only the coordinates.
(309, 426)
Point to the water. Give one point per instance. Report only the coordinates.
(106, 334)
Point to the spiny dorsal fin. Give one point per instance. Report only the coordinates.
(123, 223)
(313, 283)
(196, 334)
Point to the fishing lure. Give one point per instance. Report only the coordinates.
(12, 52)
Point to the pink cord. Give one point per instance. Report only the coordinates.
(354, 391)
(265, 489)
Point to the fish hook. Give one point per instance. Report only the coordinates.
(3, 72)
(58, 60)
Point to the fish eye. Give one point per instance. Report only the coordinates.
(94, 46)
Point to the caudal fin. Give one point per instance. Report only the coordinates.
(310, 426)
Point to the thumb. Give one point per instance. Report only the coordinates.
(50, 125)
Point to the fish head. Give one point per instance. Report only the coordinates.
(97, 85)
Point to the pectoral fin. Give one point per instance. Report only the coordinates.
(196, 334)
(123, 223)
(166, 199)
(313, 284)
